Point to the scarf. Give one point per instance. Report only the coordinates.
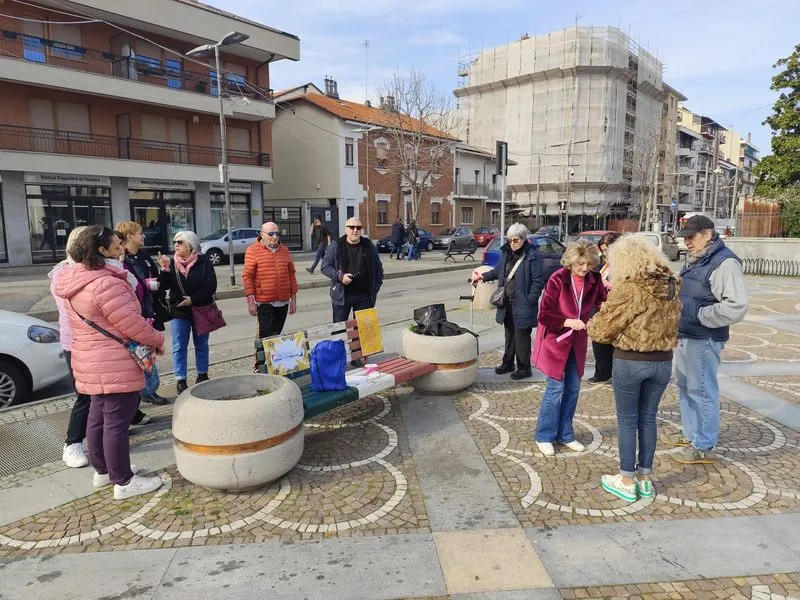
(693, 258)
(117, 264)
(184, 265)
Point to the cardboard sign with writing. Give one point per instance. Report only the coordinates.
(369, 331)
(285, 354)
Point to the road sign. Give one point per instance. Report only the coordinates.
(284, 213)
(674, 203)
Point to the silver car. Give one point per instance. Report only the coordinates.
(664, 242)
(215, 244)
(455, 239)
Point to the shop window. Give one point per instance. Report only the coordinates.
(466, 215)
(383, 212)
(240, 211)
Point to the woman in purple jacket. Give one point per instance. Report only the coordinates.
(572, 295)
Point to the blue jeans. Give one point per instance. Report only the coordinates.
(558, 406)
(697, 362)
(318, 256)
(413, 253)
(180, 343)
(152, 382)
(638, 388)
(396, 249)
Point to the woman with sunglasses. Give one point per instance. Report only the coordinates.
(521, 275)
(191, 281)
(101, 302)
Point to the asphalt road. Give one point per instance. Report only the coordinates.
(396, 302)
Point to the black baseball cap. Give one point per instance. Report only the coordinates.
(695, 224)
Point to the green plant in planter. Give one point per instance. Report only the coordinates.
(414, 328)
(201, 86)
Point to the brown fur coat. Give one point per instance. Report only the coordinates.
(641, 314)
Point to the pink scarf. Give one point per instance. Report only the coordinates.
(184, 265)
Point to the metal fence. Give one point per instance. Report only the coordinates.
(768, 266)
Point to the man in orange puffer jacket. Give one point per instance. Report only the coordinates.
(270, 284)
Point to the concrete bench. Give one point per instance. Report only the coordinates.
(389, 373)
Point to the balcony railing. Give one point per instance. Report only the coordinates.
(170, 73)
(480, 190)
(29, 139)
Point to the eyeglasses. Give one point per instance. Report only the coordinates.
(179, 242)
(514, 240)
(356, 227)
(272, 233)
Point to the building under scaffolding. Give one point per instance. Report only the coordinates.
(581, 111)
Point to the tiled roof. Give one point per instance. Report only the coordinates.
(369, 115)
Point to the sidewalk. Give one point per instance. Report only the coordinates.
(403, 495)
(32, 294)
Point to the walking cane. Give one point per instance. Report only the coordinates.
(471, 299)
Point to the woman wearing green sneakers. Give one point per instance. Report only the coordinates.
(640, 319)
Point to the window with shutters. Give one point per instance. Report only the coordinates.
(349, 159)
(73, 118)
(382, 152)
(383, 212)
(70, 42)
(466, 215)
(436, 214)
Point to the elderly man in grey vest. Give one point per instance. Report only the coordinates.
(714, 297)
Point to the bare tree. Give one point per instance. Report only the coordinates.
(417, 117)
(645, 164)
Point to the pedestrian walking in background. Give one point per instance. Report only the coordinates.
(640, 320)
(270, 282)
(100, 291)
(714, 297)
(355, 270)
(521, 275)
(190, 279)
(144, 268)
(398, 239)
(603, 353)
(320, 238)
(412, 236)
(571, 296)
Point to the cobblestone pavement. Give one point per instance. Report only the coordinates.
(757, 472)
(787, 388)
(752, 342)
(767, 587)
(356, 477)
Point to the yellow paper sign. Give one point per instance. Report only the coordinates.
(369, 331)
(286, 354)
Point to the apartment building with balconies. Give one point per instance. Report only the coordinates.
(104, 118)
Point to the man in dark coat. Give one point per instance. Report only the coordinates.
(355, 270)
(521, 274)
(398, 239)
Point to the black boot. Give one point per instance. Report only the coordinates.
(504, 368)
(181, 386)
(201, 377)
(521, 374)
(155, 399)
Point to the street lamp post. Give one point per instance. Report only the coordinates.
(230, 39)
(366, 131)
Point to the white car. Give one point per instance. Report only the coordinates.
(215, 244)
(664, 242)
(31, 357)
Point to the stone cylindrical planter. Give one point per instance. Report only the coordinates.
(238, 433)
(483, 292)
(455, 359)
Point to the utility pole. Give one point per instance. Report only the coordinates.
(734, 201)
(538, 195)
(654, 220)
(502, 170)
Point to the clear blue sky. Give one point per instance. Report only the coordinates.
(719, 54)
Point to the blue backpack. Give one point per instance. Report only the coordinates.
(328, 366)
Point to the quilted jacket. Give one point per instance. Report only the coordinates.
(640, 315)
(102, 365)
(268, 275)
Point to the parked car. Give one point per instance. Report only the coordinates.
(215, 244)
(425, 242)
(593, 237)
(551, 230)
(664, 242)
(484, 235)
(549, 247)
(724, 232)
(682, 249)
(455, 238)
(31, 357)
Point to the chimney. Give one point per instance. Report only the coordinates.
(331, 88)
(387, 103)
(367, 103)
(749, 137)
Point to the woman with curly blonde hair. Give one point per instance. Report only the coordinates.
(640, 319)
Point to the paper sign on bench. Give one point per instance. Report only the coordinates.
(369, 331)
(285, 354)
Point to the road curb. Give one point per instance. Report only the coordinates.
(227, 294)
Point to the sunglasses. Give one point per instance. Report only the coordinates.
(272, 233)
(179, 242)
(356, 227)
(514, 240)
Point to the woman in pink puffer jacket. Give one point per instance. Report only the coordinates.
(97, 288)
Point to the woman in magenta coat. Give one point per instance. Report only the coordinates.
(572, 295)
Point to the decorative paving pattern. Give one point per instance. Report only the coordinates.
(787, 388)
(356, 477)
(765, 587)
(758, 470)
(751, 342)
